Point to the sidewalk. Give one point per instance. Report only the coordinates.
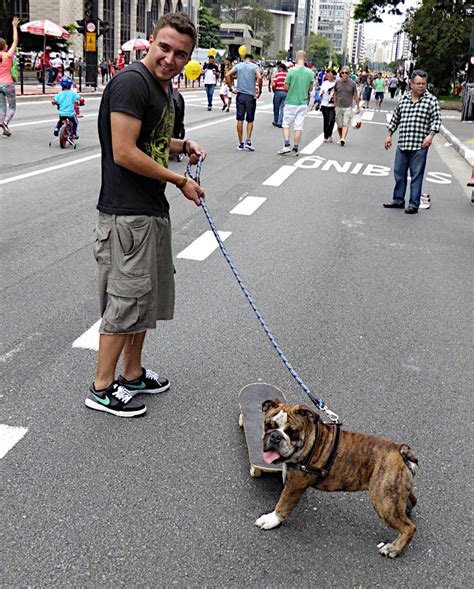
(459, 133)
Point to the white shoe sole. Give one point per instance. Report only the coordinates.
(98, 407)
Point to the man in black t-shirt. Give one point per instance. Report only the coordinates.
(133, 233)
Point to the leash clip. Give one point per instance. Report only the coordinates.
(332, 416)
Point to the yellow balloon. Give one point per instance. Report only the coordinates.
(242, 50)
(211, 53)
(192, 70)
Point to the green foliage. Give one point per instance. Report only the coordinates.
(372, 10)
(261, 22)
(208, 29)
(234, 10)
(439, 31)
(281, 55)
(319, 50)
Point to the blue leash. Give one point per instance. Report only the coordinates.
(319, 403)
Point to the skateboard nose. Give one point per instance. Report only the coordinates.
(276, 437)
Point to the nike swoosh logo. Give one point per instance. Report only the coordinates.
(142, 385)
(102, 401)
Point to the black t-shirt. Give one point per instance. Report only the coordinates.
(136, 92)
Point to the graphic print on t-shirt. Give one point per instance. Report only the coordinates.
(158, 146)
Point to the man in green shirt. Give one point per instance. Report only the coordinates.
(298, 84)
(379, 84)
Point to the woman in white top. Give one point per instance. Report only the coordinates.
(327, 105)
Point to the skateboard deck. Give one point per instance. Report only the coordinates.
(251, 398)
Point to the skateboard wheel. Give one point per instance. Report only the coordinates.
(255, 472)
(241, 420)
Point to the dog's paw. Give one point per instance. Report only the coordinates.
(388, 550)
(268, 521)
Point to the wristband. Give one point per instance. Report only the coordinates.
(181, 184)
(185, 149)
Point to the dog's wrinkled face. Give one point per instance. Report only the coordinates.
(286, 431)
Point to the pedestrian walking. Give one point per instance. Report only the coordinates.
(345, 93)
(327, 105)
(367, 92)
(120, 60)
(467, 98)
(418, 118)
(211, 73)
(104, 70)
(379, 84)
(7, 84)
(279, 94)
(298, 83)
(249, 90)
(392, 86)
(402, 84)
(133, 232)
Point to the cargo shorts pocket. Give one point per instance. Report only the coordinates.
(128, 300)
(102, 247)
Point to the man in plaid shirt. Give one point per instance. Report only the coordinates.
(417, 118)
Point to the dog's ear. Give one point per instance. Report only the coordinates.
(269, 404)
(307, 413)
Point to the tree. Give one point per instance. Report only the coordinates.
(233, 10)
(439, 32)
(261, 22)
(319, 50)
(372, 10)
(209, 28)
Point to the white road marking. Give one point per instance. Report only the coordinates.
(203, 246)
(388, 116)
(313, 146)
(265, 106)
(89, 340)
(86, 97)
(50, 169)
(9, 436)
(46, 121)
(279, 176)
(367, 115)
(248, 206)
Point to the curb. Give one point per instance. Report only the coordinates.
(465, 152)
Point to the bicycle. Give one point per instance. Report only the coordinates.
(65, 134)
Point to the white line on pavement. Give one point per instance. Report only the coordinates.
(313, 146)
(9, 436)
(89, 340)
(367, 115)
(248, 206)
(279, 176)
(46, 121)
(203, 246)
(388, 117)
(50, 169)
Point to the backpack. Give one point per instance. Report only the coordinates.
(14, 71)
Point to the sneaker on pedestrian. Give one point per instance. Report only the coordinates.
(425, 201)
(147, 382)
(56, 132)
(228, 109)
(342, 142)
(285, 149)
(115, 400)
(209, 108)
(240, 147)
(248, 145)
(224, 107)
(6, 130)
(295, 152)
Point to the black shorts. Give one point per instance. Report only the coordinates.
(246, 106)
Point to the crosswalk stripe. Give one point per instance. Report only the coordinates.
(248, 206)
(89, 340)
(203, 246)
(367, 115)
(9, 436)
(279, 176)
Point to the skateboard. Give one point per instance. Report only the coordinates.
(251, 398)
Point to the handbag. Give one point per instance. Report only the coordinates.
(14, 71)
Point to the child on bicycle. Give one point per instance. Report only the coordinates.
(65, 101)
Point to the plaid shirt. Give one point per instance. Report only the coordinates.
(415, 120)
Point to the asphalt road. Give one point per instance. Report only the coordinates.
(372, 307)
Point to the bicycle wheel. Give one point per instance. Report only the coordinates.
(63, 135)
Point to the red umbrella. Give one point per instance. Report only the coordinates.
(136, 45)
(45, 28)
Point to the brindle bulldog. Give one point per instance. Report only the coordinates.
(294, 435)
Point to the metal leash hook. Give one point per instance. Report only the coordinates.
(319, 403)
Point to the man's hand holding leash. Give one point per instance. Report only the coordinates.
(190, 189)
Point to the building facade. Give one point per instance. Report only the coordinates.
(401, 46)
(331, 20)
(355, 42)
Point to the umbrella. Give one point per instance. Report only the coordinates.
(136, 45)
(45, 28)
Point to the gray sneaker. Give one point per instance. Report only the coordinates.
(286, 149)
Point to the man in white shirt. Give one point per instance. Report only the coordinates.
(211, 71)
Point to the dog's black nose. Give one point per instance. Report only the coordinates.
(276, 437)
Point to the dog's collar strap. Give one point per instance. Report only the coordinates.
(306, 467)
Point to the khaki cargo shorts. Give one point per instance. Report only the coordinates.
(343, 116)
(136, 272)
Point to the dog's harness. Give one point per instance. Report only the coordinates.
(321, 473)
